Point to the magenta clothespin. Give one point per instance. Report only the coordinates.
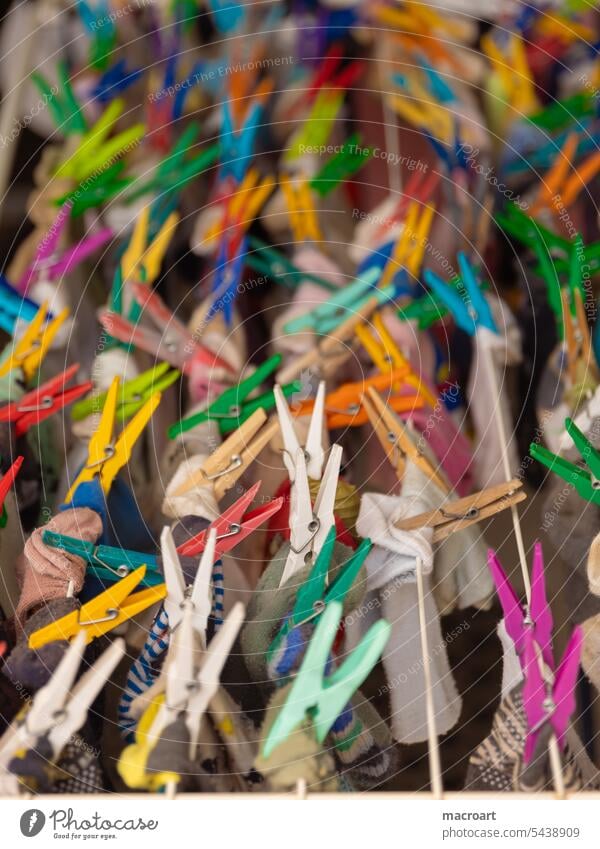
(550, 700)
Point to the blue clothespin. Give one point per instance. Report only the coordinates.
(13, 306)
(227, 15)
(469, 307)
(437, 84)
(115, 80)
(228, 273)
(238, 146)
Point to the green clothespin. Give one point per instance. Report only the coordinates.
(132, 396)
(63, 105)
(315, 594)
(96, 149)
(550, 277)
(271, 262)
(315, 131)
(342, 165)
(321, 698)
(563, 112)
(230, 409)
(97, 191)
(105, 562)
(586, 482)
(528, 231)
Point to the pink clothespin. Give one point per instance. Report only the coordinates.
(52, 265)
(233, 525)
(37, 405)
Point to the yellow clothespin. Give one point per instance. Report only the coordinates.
(514, 73)
(566, 28)
(31, 348)
(387, 356)
(103, 613)
(301, 209)
(143, 255)
(396, 441)
(580, 356)
(225, 465)
(105, 455)
(409, 250)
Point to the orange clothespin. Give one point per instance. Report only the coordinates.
(557, 184)
(396, 440)
(301, 209)
(344, 407)
(241, 208)
(103, 613)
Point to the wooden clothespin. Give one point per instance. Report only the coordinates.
(103, 613)
(580, 355)
(301, 209)
(455, 515)
(225, 465)
(396, 441)
(29, 352)
(60, 708)
(107, 455)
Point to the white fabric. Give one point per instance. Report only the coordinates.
(511, 666)
(198, 501)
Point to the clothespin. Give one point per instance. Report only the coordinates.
(237, 147)
(557, 183)
(107, 455)
(316, 592)
(563, 112)
(455, 515)
(106, 184)
(63, 105)
(103, 613)
(315, 131)
(8, 478)
(13, 307)
(231, 409)
(419, 107)
(344, 406)
(143, 258)
(420, 187)
(114, 80)
(471, 311)
(171, 342)
(344, 164)
(107, 562)
(225, 465)
(96, 149)
(233, 525)
(301, 209)
(60, 708)
(548, 691)
(313, 449)
(585, 481)
(226, 281)
(319, 697)
(100, 26)
(330, 77)
(199, 596)
(241, 206)
(29, 352)
(510, 64)
(133, 394)
(580, 355)
(310, 525)
(43, 401)
(267, 260)
(396, 441)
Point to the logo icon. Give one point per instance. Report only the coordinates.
(32, 822)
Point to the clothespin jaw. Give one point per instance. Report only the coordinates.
(5, 484)
(103, 613)
(321, 698)
(143, 258)
(587, 483)
(301, 209)
(313, 450)
(64, 108)
(233, 525)
(133, 394)
(30, 350)
(470, 309)
(107, 455)
(40, 403)
(396, 441)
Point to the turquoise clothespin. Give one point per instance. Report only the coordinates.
(238, 145)
(267, 260)
(14, 306)
(322, 698)
(231, 409)
(227, 14)
(102, 32)
(326, 317)
(469, 308)
(106, 562)
(132, 396)
(585, 481)
(343, 164)
(315, 593)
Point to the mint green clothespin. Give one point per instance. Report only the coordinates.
(132, 396)
(321, 698)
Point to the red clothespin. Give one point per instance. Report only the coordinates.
(37, 405)
(5, 484)
(330, 76)
(233, 525)
(420, 187)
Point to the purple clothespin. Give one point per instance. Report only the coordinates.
(548, 692)
(52, 265)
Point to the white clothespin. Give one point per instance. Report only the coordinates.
(59, 709)
(189, 690)
(313, 450)
(308, 527)
(199, 594)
